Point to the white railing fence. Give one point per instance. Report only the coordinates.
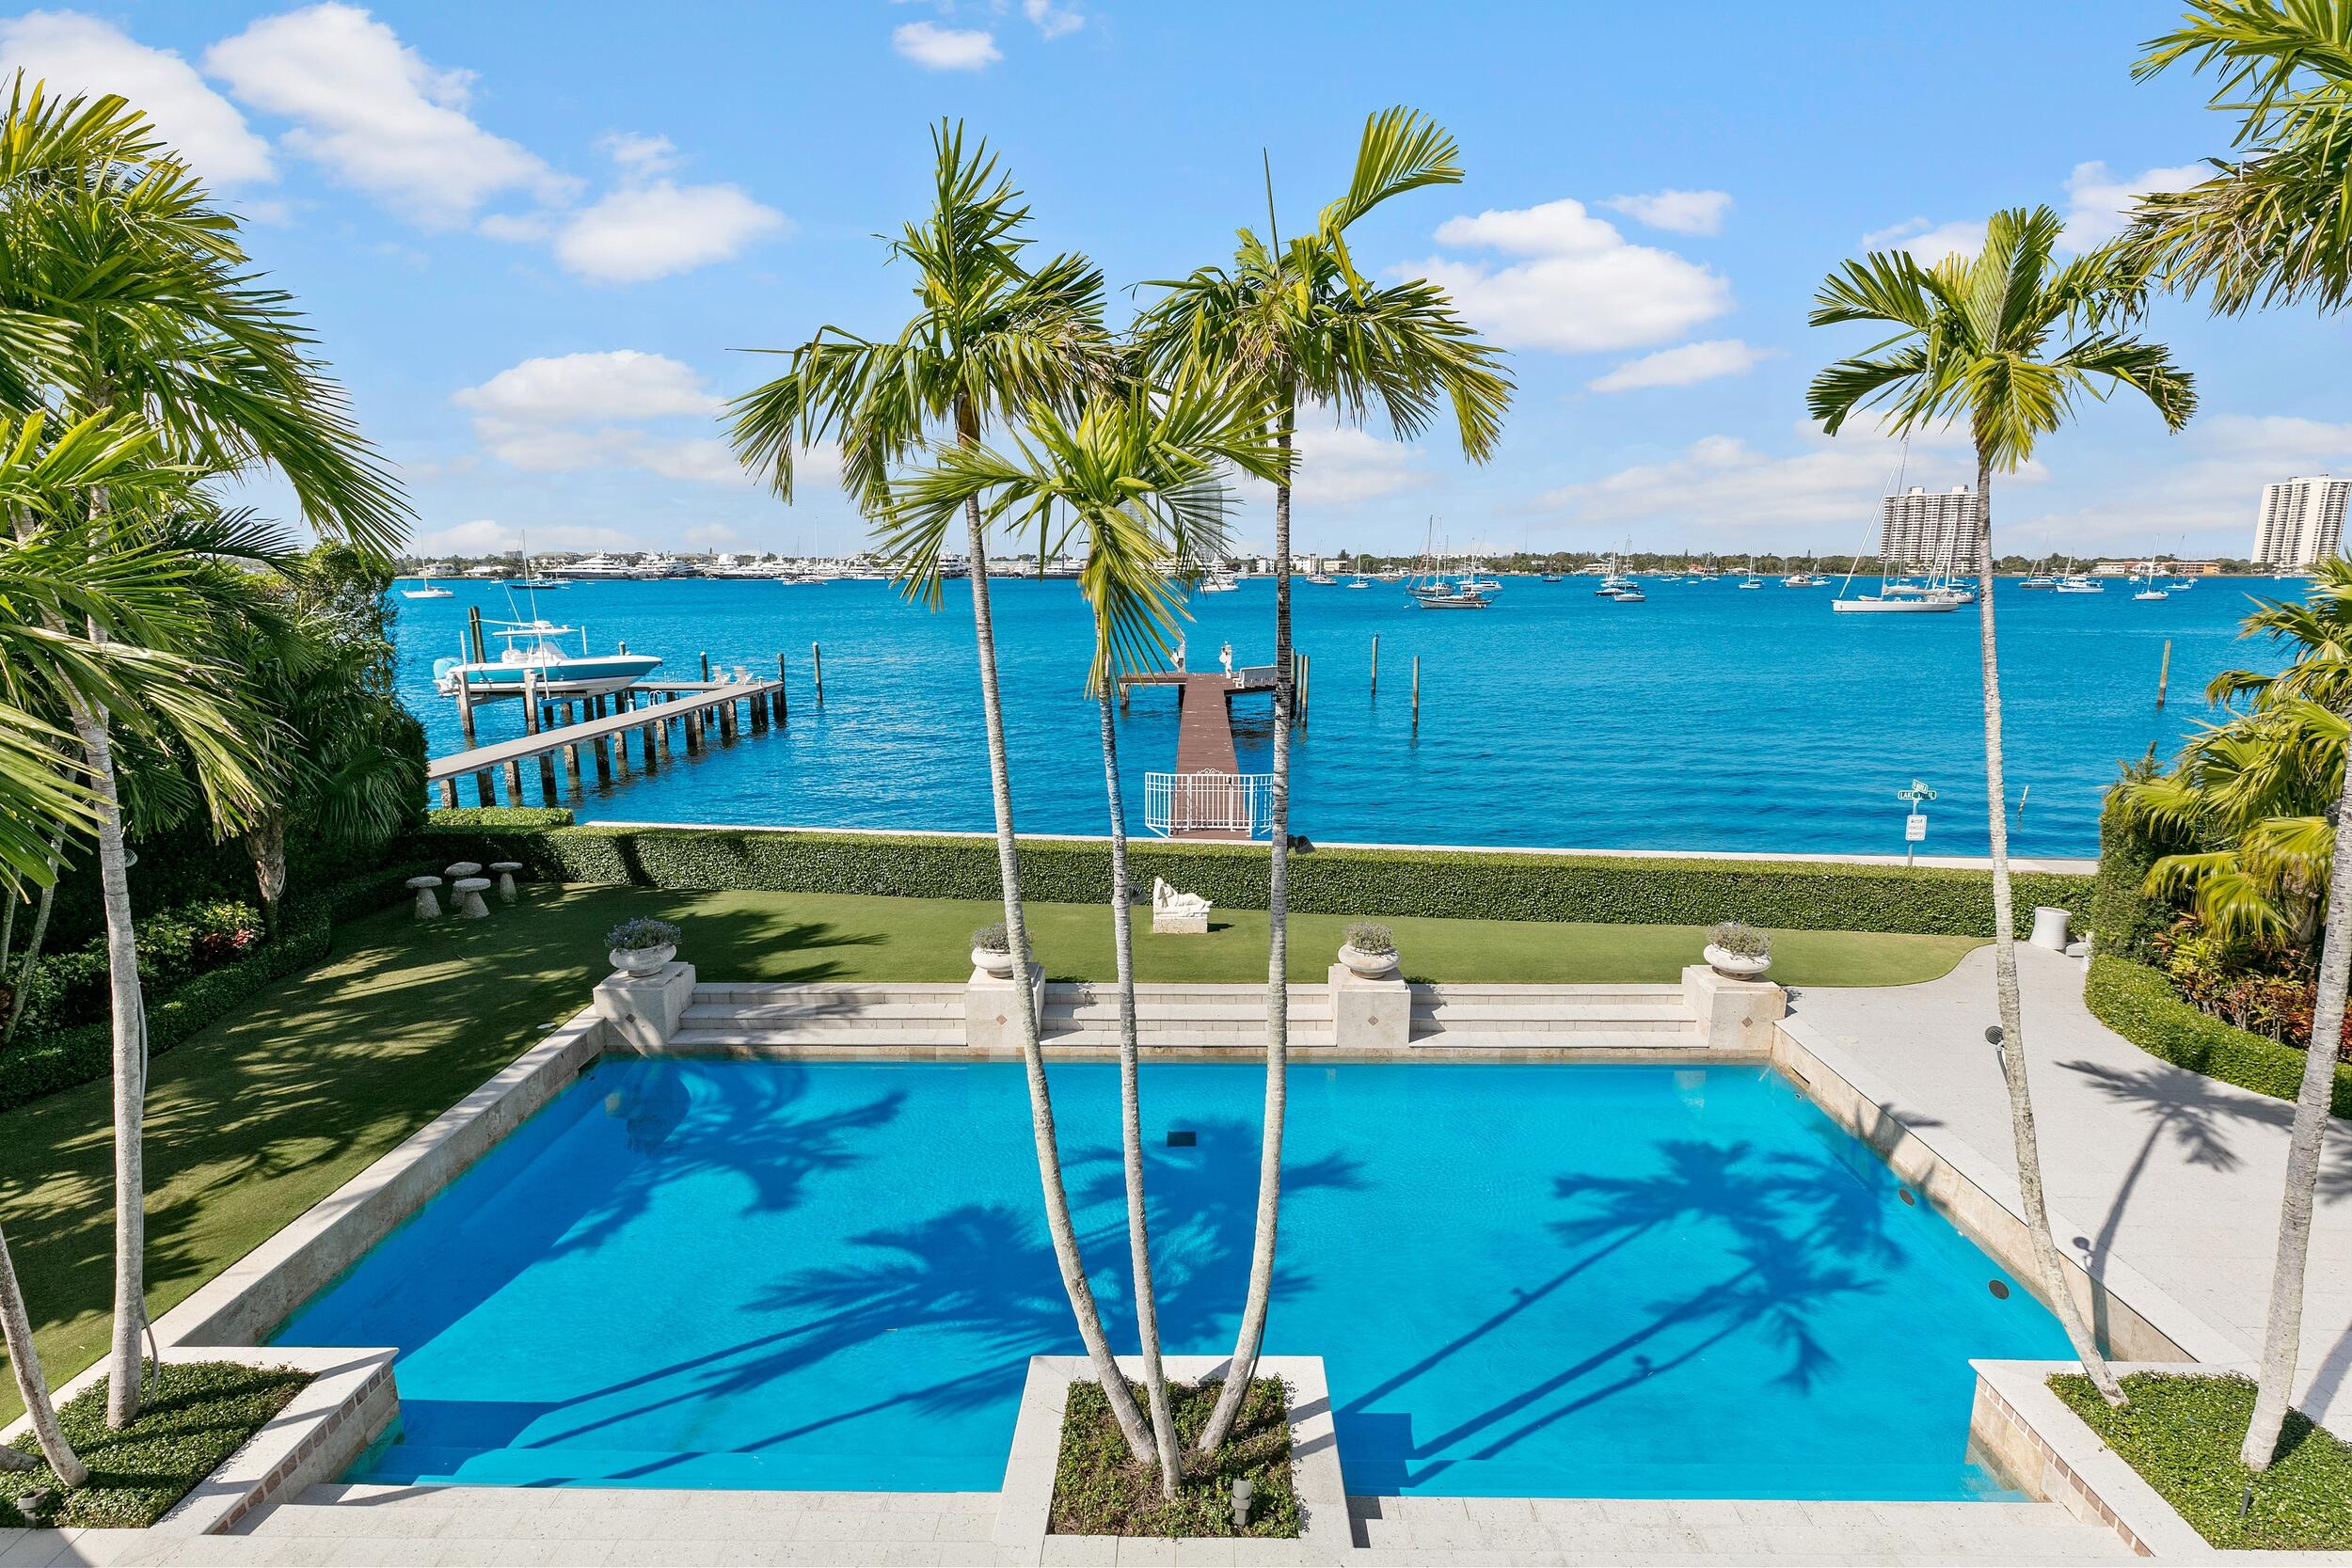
(1208, 803)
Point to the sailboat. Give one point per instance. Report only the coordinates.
(1361, 580)
(424, 589)
(1432, 587)
(2074, 583)
(1751, 580)
(1897, 596)
(2148, 579)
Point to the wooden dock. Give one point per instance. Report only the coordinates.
(664, 715)
(1208, 763)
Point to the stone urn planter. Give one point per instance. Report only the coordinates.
(641, 962)
(994, 964)
(1736, 966)
(1737, 951)
(1369, 953)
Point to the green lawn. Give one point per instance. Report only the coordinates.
(258, 1118)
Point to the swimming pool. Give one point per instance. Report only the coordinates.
(1524, 1280)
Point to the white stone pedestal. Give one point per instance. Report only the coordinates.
(1733, 1015)
(991, 1016)
(1179, 925)
(1369, 1015)
(643, 1011)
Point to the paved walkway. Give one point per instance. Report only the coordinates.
(2151, 1169)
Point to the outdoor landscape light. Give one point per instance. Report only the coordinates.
(1243, 1489)
(1993, 1036)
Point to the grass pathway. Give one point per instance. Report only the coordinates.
(258, 1118)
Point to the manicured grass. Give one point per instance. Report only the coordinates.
(194, 1416)
(258, 1117)
(1099, 1488)
(2182, 1435)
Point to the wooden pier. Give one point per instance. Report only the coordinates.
(691, 714)
(1208, 793)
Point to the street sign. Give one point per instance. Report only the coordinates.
(1915, 828)
(1916, 793)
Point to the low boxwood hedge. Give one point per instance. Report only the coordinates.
(1391, 883)
(2140, 1003)
(42, 1063)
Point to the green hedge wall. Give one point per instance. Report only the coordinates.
(2140, 1003)
(1391, 883)
(40, 1065)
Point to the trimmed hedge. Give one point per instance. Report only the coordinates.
(43, 1064)
(1385, 883)
(2140, 1003)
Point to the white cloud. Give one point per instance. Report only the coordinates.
(621, 384)
(936, 48)
(641, 154)
(377, 115)
(1584, 288)
(712, 536)
(640, 232)
(1052, 21)
(2097, 202)
(1677, 211)
(2206, 491)
(488, 536)
(1340, 465)
(1930, 242)
(77, 53)
(1683, 367)
(705, 462)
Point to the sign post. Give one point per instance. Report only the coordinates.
(1915, 825)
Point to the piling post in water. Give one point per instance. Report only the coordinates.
(784, 699)
(464, 708)
(817, 671)
(571, 757)
(661, 734)
(694, 726)
(473, 632)
(485, 787)
(1417, 693)
(757, 707)
(604, 760)
(2164, 672)
(706, 666)
(1376, 664)
(449, 794)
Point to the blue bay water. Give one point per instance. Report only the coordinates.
(1707, 718)
(1525, 1280)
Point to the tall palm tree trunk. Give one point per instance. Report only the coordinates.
(32, 1383)
(1058, 1221)
(1278, 996)
(2029, 1147)
(22, 990)
(1131, 1108)
(2283, 1333)
(130, 1075)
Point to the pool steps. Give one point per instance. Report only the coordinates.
(739, 1017)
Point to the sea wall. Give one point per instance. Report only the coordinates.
(1615, 888)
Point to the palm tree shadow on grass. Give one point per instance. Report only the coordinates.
(1803, 1231)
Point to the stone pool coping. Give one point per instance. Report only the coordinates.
(1024, 1504)
(2056, 1456)
(229, 1317)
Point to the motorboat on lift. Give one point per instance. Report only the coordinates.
(536, 649)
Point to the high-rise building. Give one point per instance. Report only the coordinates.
(1930, 529)
(2302, 521)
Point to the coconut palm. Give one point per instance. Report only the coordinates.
(992, 337)
(2273, 225)
(2009, 340)
(1137, 477)
(135, 298)
(1295, 323)
(32, 1383)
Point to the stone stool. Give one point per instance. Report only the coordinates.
(469, 891)
(428, 907)
(506, 870)
(463, 868)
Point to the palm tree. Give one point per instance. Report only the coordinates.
(992, 337)
(32, 1383)
(2273, 225)
(134, 298)
(2009, 341)
(1294, 323)
(1138, 476)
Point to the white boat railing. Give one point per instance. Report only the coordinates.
(1208, 803)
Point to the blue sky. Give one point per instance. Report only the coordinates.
(535, 237)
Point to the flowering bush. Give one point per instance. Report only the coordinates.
(174, 945)
(640, 932)
(2257, 987)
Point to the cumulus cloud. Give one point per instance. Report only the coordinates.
(1676, 211)
(377, 115)
(488, 536)
(614, 409)
(644, 232)
(2098, 202)
(936, 48)
(1684, 366)
(1583, 288)
(1930, 242)
(2207, 490)
(78, 54)
(1052, 21)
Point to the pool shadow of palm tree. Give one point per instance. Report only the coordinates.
(1803, 1231)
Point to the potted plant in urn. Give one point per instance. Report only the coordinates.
(992, 952)
(1370, 951)
(1737, 951)
(641, 945)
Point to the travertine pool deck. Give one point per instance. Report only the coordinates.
(2149, 1168)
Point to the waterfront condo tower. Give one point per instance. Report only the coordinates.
(2302, 521)
(1928, 529)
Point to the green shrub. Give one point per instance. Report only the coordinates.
(1370, 936)
(2140, 1003)
(70, 988)
(2126, 920)
(1383, 883)
(1099, 1488)
(43, 1063)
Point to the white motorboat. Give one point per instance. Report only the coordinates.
(533, 648)
(1218, 580)
(1879, 604)
(1631, 593)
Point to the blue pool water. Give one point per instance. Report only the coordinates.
(1707, 718)
(1524, 1280)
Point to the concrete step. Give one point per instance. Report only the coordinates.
(1506, 1013)
(879, 1037)
(785, 1012)
(1571, 1039)
(1452, 991)
(1183, 1039)
(746, 990)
